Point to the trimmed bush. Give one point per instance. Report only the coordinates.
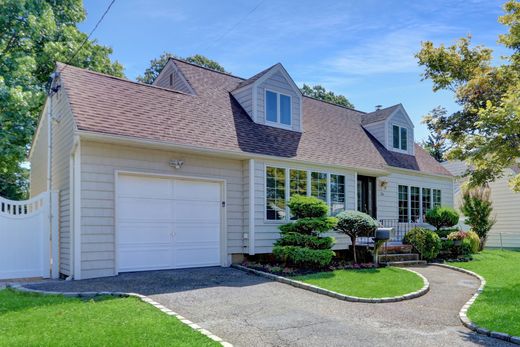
(445, 232)
(474, 241)
(355, 224)
(301, 243)
(425, 241)
(442, 217)
(470, 241)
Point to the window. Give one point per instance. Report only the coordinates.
(403, 204)
(426, 201)
(319, 185)
(436, 197)
(277, 108)
(275, 193)
(400, 137)
(415, 203)
(298, 182)
(337, 194)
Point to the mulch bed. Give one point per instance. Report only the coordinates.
(287, 271)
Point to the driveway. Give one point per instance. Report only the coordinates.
(247, 310)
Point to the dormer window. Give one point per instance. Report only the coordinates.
(278, 108)
(400, 138)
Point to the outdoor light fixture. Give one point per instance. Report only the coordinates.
(176, 164)
(383, 184)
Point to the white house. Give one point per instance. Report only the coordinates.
(196, 170)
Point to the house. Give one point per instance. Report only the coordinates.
(506, 205)
(196, 170)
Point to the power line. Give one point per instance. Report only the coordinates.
(89, 35)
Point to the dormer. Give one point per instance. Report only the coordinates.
(271, 98)
(171, 77)
(392, 127)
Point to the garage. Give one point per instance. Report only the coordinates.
(167, 223)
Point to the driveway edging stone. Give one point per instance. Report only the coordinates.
(143, 298)
(336, 295)
(464, 310)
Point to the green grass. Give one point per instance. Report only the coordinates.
(498, 307)
(366, 283)
(36, 320)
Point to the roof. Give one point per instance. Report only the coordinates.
(380, 115)
(214, 119)
(253, 79)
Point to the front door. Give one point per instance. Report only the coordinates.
(366, 195)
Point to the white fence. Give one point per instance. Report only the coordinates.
(29, 237)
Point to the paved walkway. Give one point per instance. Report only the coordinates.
(247, 310)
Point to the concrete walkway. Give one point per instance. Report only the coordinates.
(247, 310)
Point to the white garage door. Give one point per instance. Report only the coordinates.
(166, 223)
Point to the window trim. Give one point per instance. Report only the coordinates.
(278, 122)
(421, 207)
(399, 149)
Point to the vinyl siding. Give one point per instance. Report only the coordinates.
(266, 232)
(245, 99)
(377, 130)
(179, 82)
(278, 83)
(99, 163)
(402, 120)
(39, 159)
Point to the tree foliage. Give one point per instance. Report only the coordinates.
(485, 132)
(442, 217)
(34, 35)
(157, 64)
(320, 93)
(436, 143)
(355, 224)
(477, 208)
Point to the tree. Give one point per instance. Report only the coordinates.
(157, 64)
(300, 242)
(485, 132)
(34, 35)
(320, 93)
(477, 207)
(436, 143)
(442, 217)
(355, 224)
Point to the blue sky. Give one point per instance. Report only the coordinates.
(362, 49)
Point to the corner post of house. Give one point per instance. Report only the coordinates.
(77, 212)
(251, 230)
(54, 233)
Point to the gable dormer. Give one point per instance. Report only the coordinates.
(392, 127)
(171, 77)
(271, 98)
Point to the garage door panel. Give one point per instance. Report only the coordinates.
(138, 259)
(196, 190)
(187, 255)
(196, 211)
(203, 233)
(141, 209)
(144, 233)
(142, 186)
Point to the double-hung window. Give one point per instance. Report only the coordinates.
(275, 193)
(403, 204)
(436, 197)
(415, 203)
(298, 182)
(277, 108)
(337, 194)
(400, 137)
(426, 201)
(319, 185)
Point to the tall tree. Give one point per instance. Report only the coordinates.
(157, 64)
(485, 132)
(320, 93)
(34, 35)
(436, 143)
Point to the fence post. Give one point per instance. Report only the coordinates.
(46, 235)
(54, 234)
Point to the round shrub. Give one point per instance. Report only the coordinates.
(355, 224)
(457, 235)
(425, 241)
(442, 217)
(474, 241)
(307, 207)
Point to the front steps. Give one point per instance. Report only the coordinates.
(399, 255)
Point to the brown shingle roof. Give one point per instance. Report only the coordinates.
(332, 135)
(379, 115)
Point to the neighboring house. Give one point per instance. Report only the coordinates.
(506, 206)
(197, 169)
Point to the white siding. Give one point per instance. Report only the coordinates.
(278, 83)
(387, 199)
(377, 130)
(400, 119)
(245, 99)
(39, 159)
(99, 163)
(267, 232)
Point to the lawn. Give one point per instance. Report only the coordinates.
(366, 283)
(34, 320)
(498, 307)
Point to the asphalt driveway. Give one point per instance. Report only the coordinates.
(247, 310)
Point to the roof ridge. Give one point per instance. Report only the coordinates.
(333, 104)
(207, 68)
(121, 79)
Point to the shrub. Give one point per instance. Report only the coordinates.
(470, 239)
(457, 235)
(476, 207)
(425, 241)
(445, 232)
(301, 242)
(442, 217)
(355, 224)
(474, 241)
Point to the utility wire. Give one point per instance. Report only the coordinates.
(89, 35)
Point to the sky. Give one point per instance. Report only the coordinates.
(361, 49)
